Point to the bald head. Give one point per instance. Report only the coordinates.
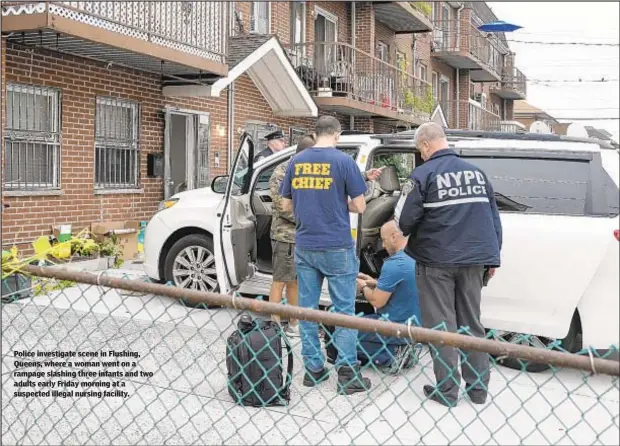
(429, 138)
(392, 237)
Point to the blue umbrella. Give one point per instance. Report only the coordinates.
(498, 27)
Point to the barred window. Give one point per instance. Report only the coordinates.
(258, 131)
(259, 18)
(32, 138)
(117, 153)
(295, 134)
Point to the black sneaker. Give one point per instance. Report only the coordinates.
(435, 395)
(311, 378)
(350, 381)
(477, 396)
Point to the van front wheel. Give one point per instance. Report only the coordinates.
(571, 343)
(190, 264)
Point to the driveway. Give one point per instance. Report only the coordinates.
(186, 400)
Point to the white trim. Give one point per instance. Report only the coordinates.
(456, 201)
(444, 121)
(243, 67)
(304, 22)
(255, 31)
(328, 15)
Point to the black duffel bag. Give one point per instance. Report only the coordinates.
(254, 364)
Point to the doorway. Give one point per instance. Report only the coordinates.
(186, 151)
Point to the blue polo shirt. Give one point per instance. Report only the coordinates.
(398, 277)
(320, 181)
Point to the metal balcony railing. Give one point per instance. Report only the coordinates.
(514, 79)
(470, 115)
(455, 36)
(338, 69)
(480, 118)
(195, 27)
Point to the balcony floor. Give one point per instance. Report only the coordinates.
(508, 93)
(464, 60)
(352, 107)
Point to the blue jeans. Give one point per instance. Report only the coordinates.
(340, 267)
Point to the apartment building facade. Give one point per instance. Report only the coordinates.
(112, 106)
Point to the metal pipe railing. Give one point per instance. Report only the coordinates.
(435, 337)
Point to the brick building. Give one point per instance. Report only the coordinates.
(111, 106)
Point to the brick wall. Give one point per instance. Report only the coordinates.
(462, 105)
(365, 27)
(80, 81)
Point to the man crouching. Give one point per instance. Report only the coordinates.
(395, 298)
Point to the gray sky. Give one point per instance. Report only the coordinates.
(568, 22)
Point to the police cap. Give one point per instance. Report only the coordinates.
(278, 134)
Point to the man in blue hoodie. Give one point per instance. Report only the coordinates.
(448, 210)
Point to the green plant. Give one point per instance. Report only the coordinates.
(84, 247)
(424, 7)
(111, 248)
(423, 104)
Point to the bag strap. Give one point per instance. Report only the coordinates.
(289, 368)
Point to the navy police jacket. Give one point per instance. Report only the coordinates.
(448, 209)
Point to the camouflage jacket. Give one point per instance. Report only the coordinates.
(282, 223)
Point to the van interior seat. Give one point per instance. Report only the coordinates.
(379, 210)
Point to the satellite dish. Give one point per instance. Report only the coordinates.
(539, 127)
(577, 130)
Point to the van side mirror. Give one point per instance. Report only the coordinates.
(219, 183)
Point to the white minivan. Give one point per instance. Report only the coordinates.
(558, 199)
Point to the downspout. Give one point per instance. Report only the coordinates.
(230, 115)
(353, 40)
(458, 71)
(458, 98)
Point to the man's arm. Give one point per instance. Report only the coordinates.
(357, 205)
(274, 190)
(494, 209)
(285, 190)
(410, 207)
(355, 187)
(376, 297)
(378, 292)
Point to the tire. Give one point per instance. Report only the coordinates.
(570, 343)
(203, 277)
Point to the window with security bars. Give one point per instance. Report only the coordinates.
(32, 138)
(295, 134)
(258, 131)
(117, 152)
(259, 18)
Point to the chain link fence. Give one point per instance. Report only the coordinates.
(102, 359)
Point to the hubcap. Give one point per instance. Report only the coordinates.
(194, 268)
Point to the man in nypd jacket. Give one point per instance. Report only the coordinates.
(448, 210)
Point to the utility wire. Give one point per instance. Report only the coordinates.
(565, 43)
(576, 81)
(615, 118)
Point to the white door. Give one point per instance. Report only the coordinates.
(235, 241)
(186, 150)
(552, 242)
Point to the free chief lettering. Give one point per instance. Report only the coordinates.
(315, 176)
